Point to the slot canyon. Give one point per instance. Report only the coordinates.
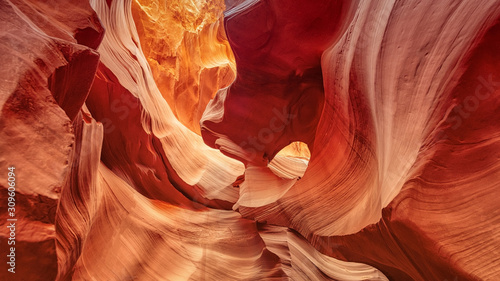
(250, 140)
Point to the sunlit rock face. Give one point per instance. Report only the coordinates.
(186, 47)
(251, 140)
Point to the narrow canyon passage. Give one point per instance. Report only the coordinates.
(250, 140)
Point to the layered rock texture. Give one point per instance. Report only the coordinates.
(251, 140)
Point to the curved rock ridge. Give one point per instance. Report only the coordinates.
(273, 68)
(193, 162)
(303, 262)
(442, 224)
(366, 152)
(104, 218)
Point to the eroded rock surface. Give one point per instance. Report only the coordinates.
(251, 140)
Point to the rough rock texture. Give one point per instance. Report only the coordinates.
(48, 66)
(185, 45)
(251, 140)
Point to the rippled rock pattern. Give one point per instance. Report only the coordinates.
(251, 139)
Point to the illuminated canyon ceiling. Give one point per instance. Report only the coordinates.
(250, 140)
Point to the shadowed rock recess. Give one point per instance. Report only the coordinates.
(250, 140)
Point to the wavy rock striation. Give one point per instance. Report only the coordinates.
(407, 88)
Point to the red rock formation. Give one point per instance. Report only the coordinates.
(343, 140)
(400, 101)
(49, 63)
(443, 223)
(278, 64)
